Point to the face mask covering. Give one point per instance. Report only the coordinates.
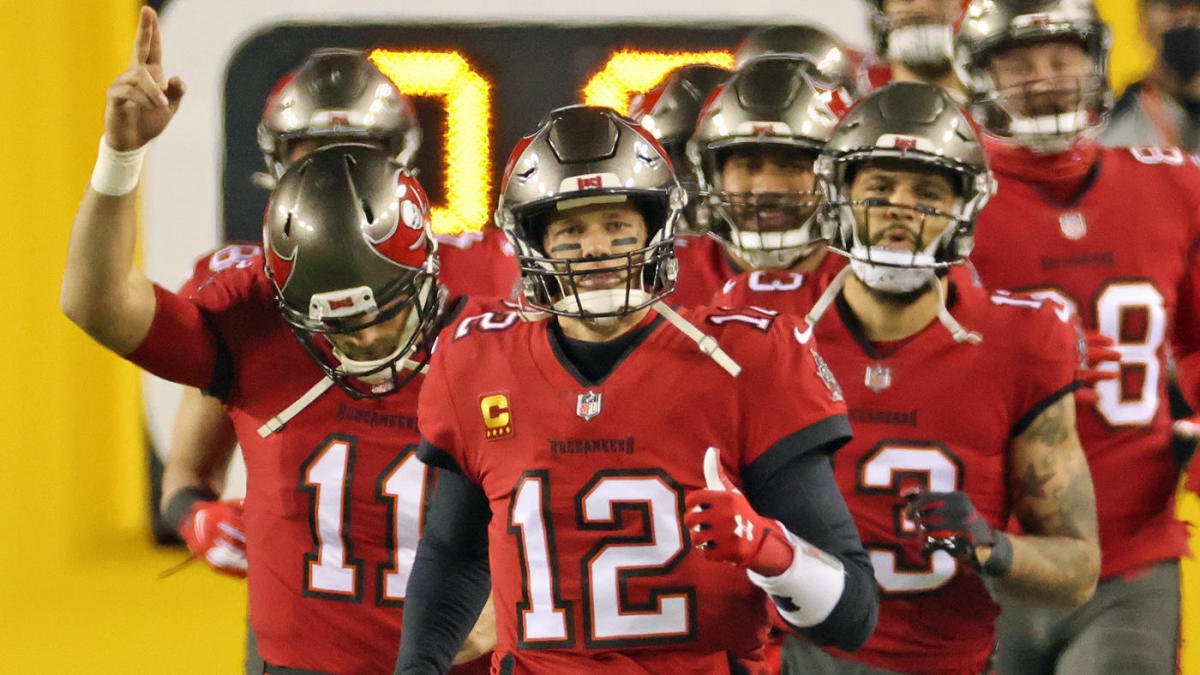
(1181, 51)
(922, 45)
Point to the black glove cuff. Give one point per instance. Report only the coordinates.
(181, 503)
(1000, 561)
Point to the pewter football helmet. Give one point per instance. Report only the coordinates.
(1046, 115)
(348, 245)
(337, 95)
(773, 102)
(914, 125)
(833, 61)
(669, 110)
(580, 156)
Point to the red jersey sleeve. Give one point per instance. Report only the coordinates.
(441, 433)
(783, 373)
(186, 341)
(1052, 353)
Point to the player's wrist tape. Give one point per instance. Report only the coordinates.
(1000, 561)
(180, 504)
(807, 591)
(117, 171)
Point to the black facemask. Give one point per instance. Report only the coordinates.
(1181, 51)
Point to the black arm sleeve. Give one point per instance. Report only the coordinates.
(450, 581)
(803, 495)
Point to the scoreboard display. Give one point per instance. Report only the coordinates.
(477, 89)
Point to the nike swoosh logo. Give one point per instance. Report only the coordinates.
(803, 337)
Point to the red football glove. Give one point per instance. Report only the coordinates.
(214, 532)
(725, 528)
(1099, 350)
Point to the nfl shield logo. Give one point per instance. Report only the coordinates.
(1073, 225)
(588, 405)
(879, 377)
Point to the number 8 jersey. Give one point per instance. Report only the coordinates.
(1121, 255)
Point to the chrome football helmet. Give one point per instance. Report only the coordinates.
(914, 124)
(668, 112)
(772, 102)
(349, 246)
(1078, 105)
(578, 156)
(833, 61)
(336, 95)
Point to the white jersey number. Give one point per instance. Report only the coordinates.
(331, 568)
(882, 472)
(544, 620)
(1116, 306)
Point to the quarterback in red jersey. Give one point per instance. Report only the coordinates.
(930, 486)
(308, 347)
(576, 452)
(755, 144)
(1111, 235)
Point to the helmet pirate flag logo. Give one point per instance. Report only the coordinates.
(588, 405)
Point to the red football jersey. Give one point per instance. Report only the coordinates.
(478, 264)
(1121, 256)
(780, 290)
(334, 498)
(591, 565)
(703, 268)
(936, 414)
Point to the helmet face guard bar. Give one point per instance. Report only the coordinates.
(560, 286)
(928, 252)
(767, 221)
(421, 295)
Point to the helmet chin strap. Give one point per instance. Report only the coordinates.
(362, 369)
(351, 367)
(956, 329)
(707, 343)
(891, 271)
(607, 302)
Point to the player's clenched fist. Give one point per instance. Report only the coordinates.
(141, 101)
(725, 528)
(948, 521)
(215, 533)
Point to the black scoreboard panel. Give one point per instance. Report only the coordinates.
(479, 81)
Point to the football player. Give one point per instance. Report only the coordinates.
(668, 112)
(754, 146)
(1109, 234)
(309, 344)
(931, 485)
(914, 39)
(631, 472)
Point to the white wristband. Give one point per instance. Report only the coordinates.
(811, 585)
(117, 171)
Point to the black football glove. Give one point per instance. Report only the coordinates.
(948, 521)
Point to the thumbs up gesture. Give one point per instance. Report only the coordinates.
(725, 528)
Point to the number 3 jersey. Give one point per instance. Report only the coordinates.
(934, 414)
(1121, 255)
(334, 498)
(591, 565)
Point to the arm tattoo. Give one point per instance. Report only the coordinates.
(1057, 559)
(1051, 485)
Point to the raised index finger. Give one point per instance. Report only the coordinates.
(142, 43)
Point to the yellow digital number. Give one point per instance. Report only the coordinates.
(467, 97)
(629, 73)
